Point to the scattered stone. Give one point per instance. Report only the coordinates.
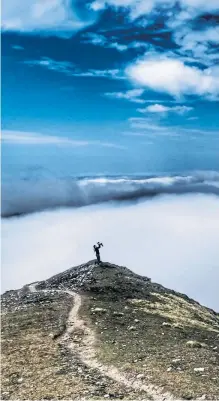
(187, 397)
(169, 369)
(166, 324)
(99, 310)
(132, 328)
(199, 370)
(177, 360)
(20, 380)
(195, 344)
(118, 313)
(140, 376)
(215, 348)
(5, 393)
(177, 326)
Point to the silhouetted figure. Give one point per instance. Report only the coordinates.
(97, 251)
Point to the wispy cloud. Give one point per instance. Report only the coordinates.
(111, 74)
(65, 67)
(132, 95)
(17, 47)
(160, 101)
(102, 41)
(192, 118)
(97, 39)
(69, 69)
(146, 126)
(152, 134)
(33, 138)
(161, 109)
(135, 133)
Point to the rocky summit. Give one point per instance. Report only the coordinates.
(106, 279)
(101, 331)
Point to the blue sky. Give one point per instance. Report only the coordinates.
(110, 86)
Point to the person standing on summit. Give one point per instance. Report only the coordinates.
(97, 251)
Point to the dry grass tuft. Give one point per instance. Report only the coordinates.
(181, 312)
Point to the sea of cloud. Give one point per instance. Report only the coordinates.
(171, 239)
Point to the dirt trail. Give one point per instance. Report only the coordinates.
(86, 349)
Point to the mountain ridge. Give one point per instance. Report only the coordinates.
(91, 277)
(104, 321)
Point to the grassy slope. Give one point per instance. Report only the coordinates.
(35, 364)
(138, 342)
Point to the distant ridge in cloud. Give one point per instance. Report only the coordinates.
(30, 196)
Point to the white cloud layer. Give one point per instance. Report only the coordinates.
(139, 8)
(190, 39)
(174, 77)
(173, 240)
(198, 44)
(55, 17)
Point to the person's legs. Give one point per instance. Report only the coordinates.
(98, 258)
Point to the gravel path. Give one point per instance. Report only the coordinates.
(86, 348)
